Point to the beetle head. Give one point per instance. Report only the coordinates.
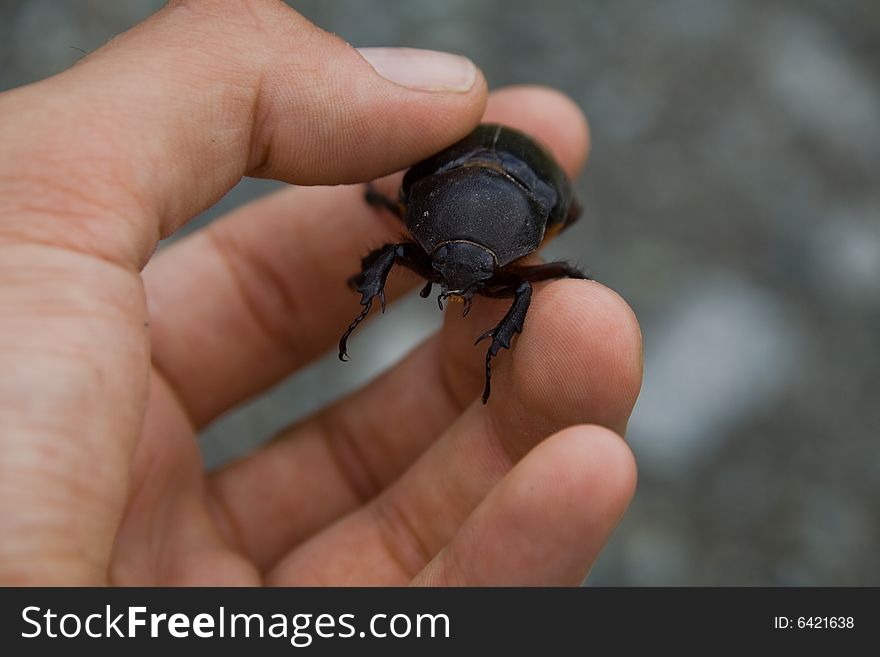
(463, 267)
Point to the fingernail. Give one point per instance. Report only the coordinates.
(425, 70)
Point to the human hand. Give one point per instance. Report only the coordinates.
(107, 373)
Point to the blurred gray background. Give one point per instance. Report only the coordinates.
(732, 197)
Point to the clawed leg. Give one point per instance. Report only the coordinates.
(370, 283)
(515, 282)
(543, 272)
(508, 327)
(378, 200)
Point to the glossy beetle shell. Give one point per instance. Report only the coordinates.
(496, 187)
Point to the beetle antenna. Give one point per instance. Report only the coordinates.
(468, 301)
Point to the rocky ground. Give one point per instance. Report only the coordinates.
(732, 197)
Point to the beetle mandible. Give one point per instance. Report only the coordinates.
(474, 210)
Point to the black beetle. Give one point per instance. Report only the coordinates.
(475, 210)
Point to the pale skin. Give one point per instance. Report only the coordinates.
(112, 359)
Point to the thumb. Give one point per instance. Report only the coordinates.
(159, 123)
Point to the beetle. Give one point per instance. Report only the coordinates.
(474, 211)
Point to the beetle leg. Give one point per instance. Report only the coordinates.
(506, 279)
(508, 327)
(514, 282)
(378, 200)
(370, 283)
(547, 271)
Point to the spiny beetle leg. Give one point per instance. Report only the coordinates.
(379, 200)
(508, 327)
(370, 283)
(549, 270)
